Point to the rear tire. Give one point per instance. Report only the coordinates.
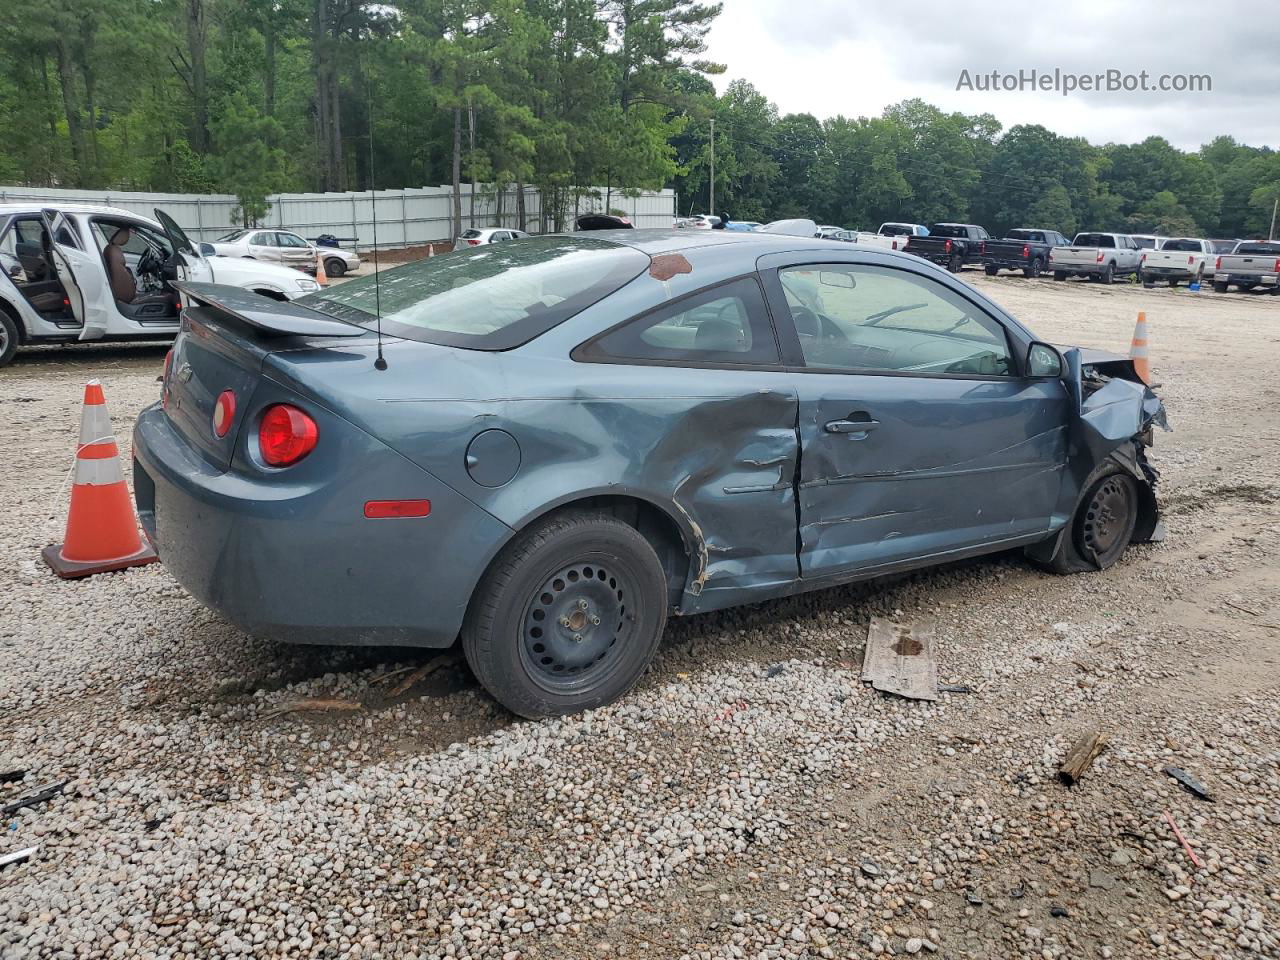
(1220, 286)
(1108, 273)
(1102, 525)
(956, 263)
(1059, 274)
(568, 616)
(1173, 283)
(335, 267)
(9, 336)
(1033, 270)
(991, 270)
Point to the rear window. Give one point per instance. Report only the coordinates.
(1035, 236)
(471, 234)
(1183, 245)
(491, 297)
(896, 230)
(1222, 246)
(1265, 249)
(948, 230)
(1094, 240)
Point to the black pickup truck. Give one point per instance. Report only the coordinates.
(951, 245)
(1026, 249)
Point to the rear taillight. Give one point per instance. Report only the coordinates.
(474, 243)
(224, 412)
(286, 435)
(1190, 260)
(1141, 259)
(982, 246)
(895, 244)
(1217, 264)
(1100, 256)
(1026, 251)
(948, 247)
(1277, 264)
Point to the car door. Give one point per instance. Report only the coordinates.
(82, 273)
(919, 436)
(262, 245)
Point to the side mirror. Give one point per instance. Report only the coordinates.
(206, 250)
(1044, 361)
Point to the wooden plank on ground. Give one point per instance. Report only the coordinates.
(899, 659)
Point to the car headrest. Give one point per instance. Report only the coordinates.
(719, 334)
(121, 236)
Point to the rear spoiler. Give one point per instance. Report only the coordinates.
(271, 317)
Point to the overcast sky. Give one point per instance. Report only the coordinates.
(855, 57)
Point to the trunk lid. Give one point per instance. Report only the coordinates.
(226, 335)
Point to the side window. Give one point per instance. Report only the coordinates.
(263, 239)
(291, 240)
(881, 320)
(724, 324)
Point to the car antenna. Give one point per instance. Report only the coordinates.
(381, 362)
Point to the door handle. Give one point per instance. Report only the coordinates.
(851, 426)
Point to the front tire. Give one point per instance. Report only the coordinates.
(568, 616)
(1102, 526)
(335, 267)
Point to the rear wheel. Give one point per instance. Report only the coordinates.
(1034, 269)
(335, 266)
(568, 617)
(1173, 283)
(1108, 273)
(955, 263)
(1059, 274)
(991, 269)
(1219, 286)
(8, 338)
(1102, 525)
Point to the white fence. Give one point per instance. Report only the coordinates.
(404, 217)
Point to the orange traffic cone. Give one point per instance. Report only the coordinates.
(102, 531)
(322, 278)
(1138, 350)
(431, 249)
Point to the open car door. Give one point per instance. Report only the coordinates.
(185, 254)
(82, 274)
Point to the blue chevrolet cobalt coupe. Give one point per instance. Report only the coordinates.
(549, 446)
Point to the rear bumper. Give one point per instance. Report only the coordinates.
(293, 558)
(1082, 268)
(1260, 279)
(1168, 273)
(1007, 263)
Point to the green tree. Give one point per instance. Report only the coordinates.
(246, 165)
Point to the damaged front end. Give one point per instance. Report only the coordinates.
(1117, 415)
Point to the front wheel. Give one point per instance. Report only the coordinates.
(335, 267)
(568, 617)
(8, 338)
(1102, 525)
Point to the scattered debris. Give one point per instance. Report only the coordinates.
(420, 674)
(954, 688)
(315, 705)
(1057, 910)
(869, 868)
(1191, 783)
(972, 897)
(1081, 756)
(1101, 879)
(1241, 608)
(41, 796)
(1183, 840)
(776, 670)
(17, 855)
(384, 677)
(899, 659)
(12, 776)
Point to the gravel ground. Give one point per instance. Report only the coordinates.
(750, 799)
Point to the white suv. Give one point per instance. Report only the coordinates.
(62, 289)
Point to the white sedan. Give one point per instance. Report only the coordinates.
(478, 235)
(284, 247)
(90, 272)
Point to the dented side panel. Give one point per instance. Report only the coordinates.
(947, 464)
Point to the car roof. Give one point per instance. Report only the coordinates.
(653, 241)
(37, 205)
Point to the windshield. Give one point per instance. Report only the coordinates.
(491, 297)
(233, 236)
(1094, 240)
(1182, 244)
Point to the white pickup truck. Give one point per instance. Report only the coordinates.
(64, 287)
(1253, 263)
(1178, 259)
(891, 235)
(1099, 256)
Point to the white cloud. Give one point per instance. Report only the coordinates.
(829, 57)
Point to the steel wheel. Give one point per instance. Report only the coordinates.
(335, 267)
(1106, 520)
(8, 338)
(573, 625)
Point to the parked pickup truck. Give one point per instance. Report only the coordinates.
(1253, 263)
(1026, 249)
(1099, 256)
(1182, 258)
(951, 245)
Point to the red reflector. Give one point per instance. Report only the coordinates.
(474, 243)
(286, 435)
(387, 509)
(1217, 264)
(224, 411)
